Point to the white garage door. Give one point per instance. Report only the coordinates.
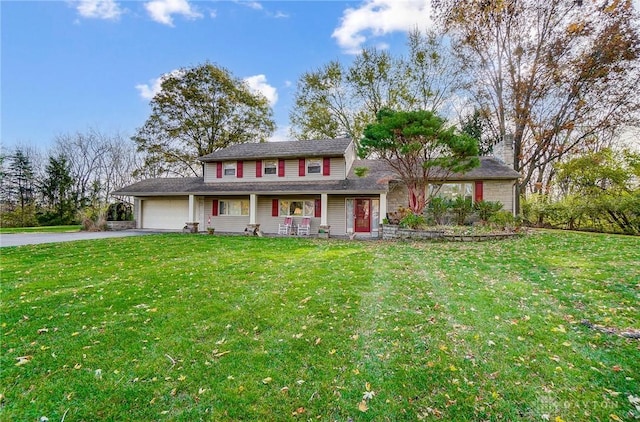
(164, 213)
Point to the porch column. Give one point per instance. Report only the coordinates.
(383, 207)
(192, 208)
(324, 209)
(253, 208)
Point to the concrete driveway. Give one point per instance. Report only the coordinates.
(21, 239)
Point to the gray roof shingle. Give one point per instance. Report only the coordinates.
(196, 186)
(288, 149)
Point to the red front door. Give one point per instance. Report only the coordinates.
(363, 215)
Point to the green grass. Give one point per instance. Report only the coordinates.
(40, 229)
(176, 327)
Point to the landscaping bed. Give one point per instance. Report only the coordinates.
(449, 233)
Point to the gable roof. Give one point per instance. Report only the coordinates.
(288, 149)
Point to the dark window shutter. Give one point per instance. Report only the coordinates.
(274, 208)
(219, 170)
(280, 168)
(302, 163)
(239, 169)
(318, 208)
(326, 166)
(479, 191)
(258, 168)
(214, 208)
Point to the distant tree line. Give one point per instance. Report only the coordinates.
(69, 184)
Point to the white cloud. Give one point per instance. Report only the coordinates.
(380, 17)
(259, 83)
(148, 91)
(162, 11)
(281, 134)
(251, 4)
(98, 9)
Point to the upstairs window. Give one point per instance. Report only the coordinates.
(230, 168)
(271, 167)
(314, 166)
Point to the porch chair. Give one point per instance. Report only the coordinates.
(285, 227)
(304, 226)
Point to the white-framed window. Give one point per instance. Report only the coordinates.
(229, 168)
(452, 190)
(297, 207)
(270, 166)
(234, 207)
(314, 166)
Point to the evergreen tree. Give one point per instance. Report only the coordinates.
(57, 192)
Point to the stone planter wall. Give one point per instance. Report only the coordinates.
(390, 232)
(121, 225)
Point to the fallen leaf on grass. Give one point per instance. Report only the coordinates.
(362, 406)
(217, 354)
(298, 411)
(267, 380)
(22, 360)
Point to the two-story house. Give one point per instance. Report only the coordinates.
(258, 185)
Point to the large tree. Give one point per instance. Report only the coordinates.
(420, 148)
(553, 74)
(198, 111)
(340, 100)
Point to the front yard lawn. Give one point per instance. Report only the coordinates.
(190, 327)
(40, 229)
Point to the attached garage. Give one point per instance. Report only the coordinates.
(164, 213)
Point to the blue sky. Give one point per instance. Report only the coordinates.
(68, 66)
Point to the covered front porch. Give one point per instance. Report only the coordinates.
(339, 214)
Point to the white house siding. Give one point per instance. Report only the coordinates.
(224, 223)
(338, 172)
(499, 190)
(337, 218)
(350, 157)
(164, 213)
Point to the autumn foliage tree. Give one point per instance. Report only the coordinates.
(337, 100)
(554, 74)
(418, 146)
(198, 111)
